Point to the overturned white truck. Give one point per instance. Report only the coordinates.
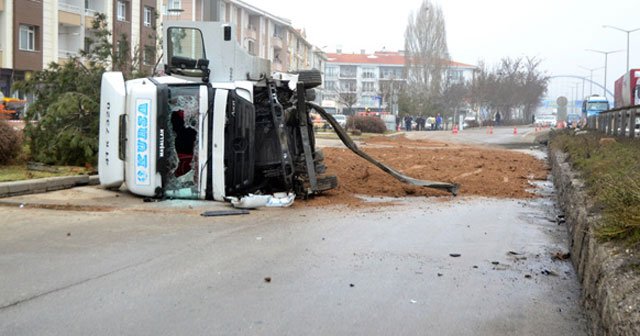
(216, 125)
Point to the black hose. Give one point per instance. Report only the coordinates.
(342, 134)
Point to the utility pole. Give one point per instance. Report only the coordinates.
(606, 54)
(591, 70)
(628, 33)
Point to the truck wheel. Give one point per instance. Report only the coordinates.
(327, 182)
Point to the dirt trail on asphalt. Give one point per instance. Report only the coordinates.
(480, 171)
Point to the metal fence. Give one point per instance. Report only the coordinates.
(623, 121)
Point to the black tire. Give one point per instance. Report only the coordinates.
(311, 78)
(327, 182)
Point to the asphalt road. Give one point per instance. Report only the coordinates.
(116, 265)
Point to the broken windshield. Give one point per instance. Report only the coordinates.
(182, 179)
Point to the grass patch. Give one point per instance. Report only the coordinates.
(611, 170)
(21, 172)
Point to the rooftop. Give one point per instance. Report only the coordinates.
(379, 57)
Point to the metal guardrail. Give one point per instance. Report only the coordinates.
(622, 121)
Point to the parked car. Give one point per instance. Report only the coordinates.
(546, 120)
(341, 119)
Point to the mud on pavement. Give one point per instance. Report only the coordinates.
(480, 171)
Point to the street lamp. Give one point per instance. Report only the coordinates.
(628, 33)
(590, 77)
(606, 54)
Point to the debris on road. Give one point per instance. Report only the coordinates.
(216, 213)
(455, 255)
(251, 201)
(267, 279)
(561, 255)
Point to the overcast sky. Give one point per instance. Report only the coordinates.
(556, 31)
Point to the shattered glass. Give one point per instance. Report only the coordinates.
(183, 178)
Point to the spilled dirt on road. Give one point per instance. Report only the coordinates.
(480, 171)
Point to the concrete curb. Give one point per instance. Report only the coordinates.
(609, 283)
(34, 186)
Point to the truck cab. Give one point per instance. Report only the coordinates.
(593, 105)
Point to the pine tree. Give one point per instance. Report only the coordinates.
(63, 121)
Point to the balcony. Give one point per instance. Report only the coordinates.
(69, 7)
(277, 42)
(89, 15)
(65, 55)
(278, 66)
(348, 75)
(251, 33)
(69, 14)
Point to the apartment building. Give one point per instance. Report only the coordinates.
(261, 33)
(375, 78)
(34, 33)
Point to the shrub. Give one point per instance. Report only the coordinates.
(10, 143)
(367, 124)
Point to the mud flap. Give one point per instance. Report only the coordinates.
(450, 187)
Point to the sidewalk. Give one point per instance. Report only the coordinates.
(24, 187)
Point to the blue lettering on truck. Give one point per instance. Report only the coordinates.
(142, 169)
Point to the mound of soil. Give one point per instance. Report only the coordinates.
(480, 171)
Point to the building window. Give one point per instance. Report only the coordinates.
(148, 15)
(175, 7)
(122, 11)
(251, 47)
(455, 75)
(348, 71)
(367, 87)
(368, 73)
(332, 71)
(149, 57)
(27, 38)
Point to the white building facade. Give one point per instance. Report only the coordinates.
(375, 79)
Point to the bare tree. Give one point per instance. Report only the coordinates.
(347, 96)
(389, 91)
(534, 88)
(515, 84)
(426, 57)
(455, 95)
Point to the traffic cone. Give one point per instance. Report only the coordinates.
(490, 129)
(515, 131)
(455, 129)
